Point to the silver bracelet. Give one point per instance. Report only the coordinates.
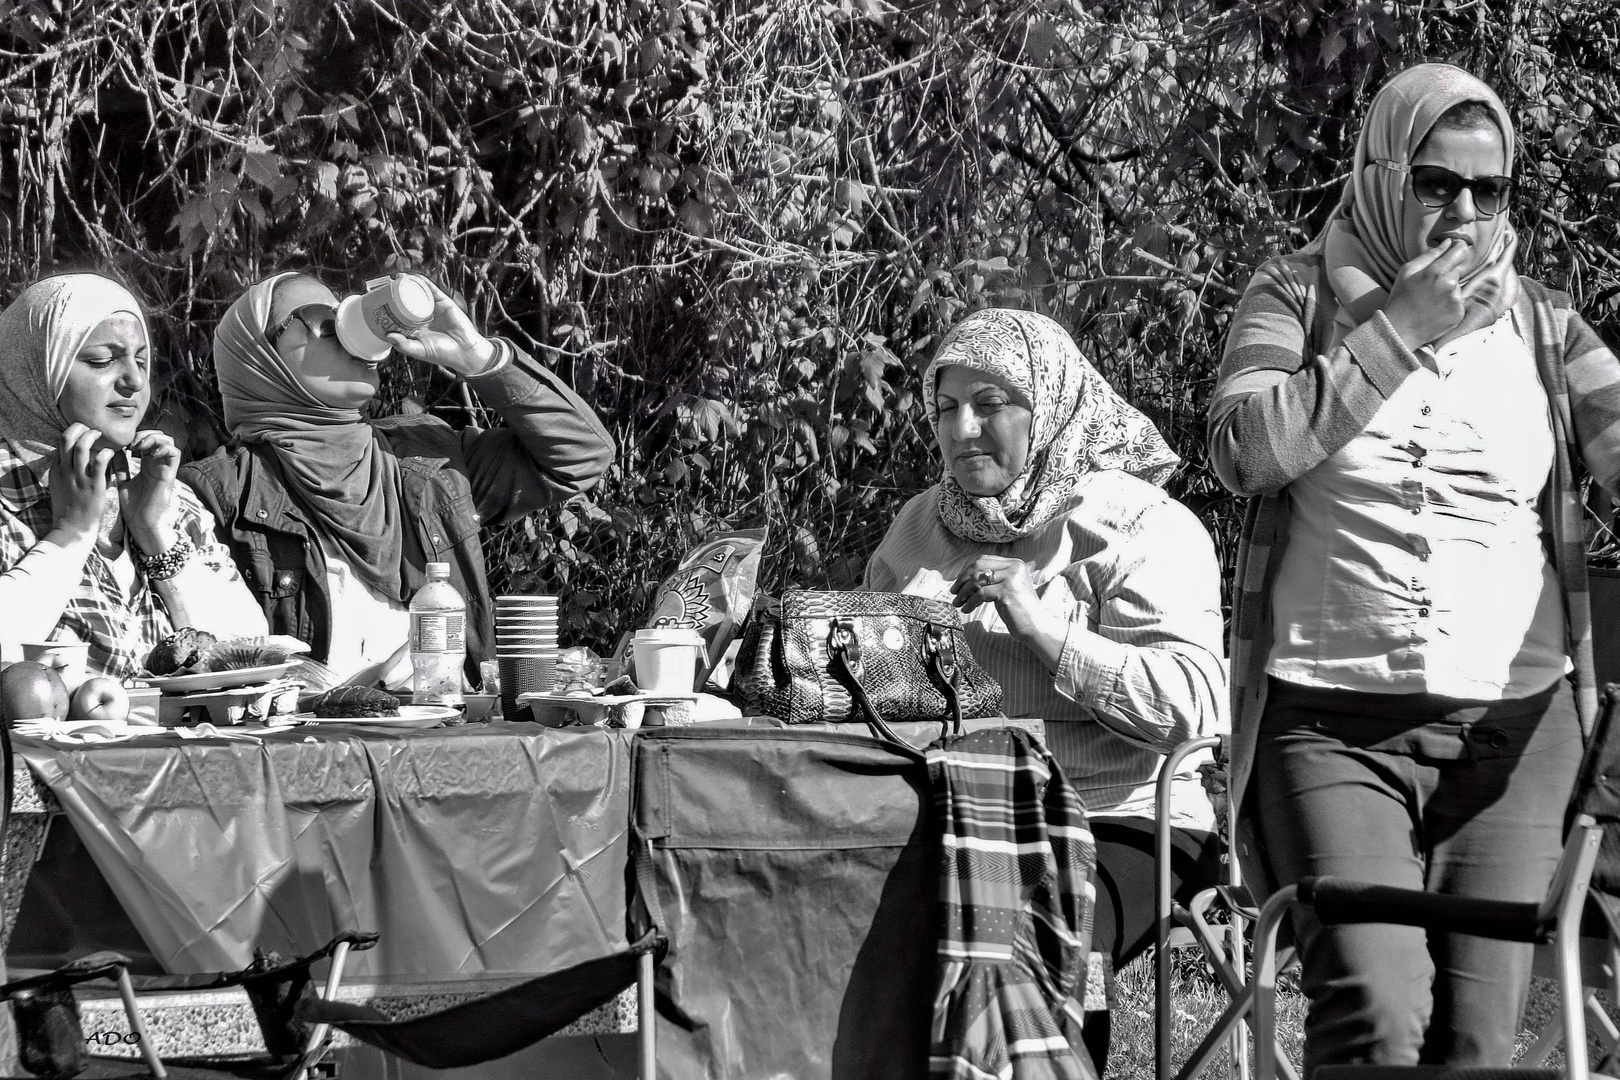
(163, 566)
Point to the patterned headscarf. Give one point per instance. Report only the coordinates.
(1080, 425)
(40, 335)
(1364, 243)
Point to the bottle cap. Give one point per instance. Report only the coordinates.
(438, 570)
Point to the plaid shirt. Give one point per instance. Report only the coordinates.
(119, 629)
(1016, 903)
(1263, 433)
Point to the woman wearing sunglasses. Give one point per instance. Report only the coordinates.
(333, 517)
(1411, 654)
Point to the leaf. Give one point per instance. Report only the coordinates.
(326, 180)
(263, 166)
(696, 219)
(1332, 45)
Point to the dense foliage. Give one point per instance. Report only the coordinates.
(740, 226)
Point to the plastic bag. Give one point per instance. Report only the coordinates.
(712, 591)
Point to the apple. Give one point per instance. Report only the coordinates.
(31, 691)
(100, 698)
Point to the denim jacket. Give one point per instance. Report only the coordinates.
(454, 482)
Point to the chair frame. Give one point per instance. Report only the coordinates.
(1222, 944)
(116, 968)
(1561, 909)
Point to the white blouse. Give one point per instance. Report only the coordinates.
(1416, 559)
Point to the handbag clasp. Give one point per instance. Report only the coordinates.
(843, 641)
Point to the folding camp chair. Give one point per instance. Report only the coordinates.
(795, 873)
(1222, 943)
(1557, 920)
(52, 1043)
(490, 1027)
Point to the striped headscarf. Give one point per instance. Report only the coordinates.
(1080, 425)
(1364, 243)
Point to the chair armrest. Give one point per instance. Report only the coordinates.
(102, 965)
(1338, 902)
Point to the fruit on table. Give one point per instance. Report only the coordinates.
(100, 698)
(30, 691)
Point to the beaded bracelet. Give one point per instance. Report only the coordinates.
(164, 566)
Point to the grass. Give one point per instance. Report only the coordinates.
(1199, 1002)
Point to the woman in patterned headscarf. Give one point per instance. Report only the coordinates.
(1091, 595)
(88, 552)
(1411, 652)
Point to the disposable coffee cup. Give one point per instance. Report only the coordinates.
(391, 305)
(666, 660)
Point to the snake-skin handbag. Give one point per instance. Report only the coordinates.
(862, 656)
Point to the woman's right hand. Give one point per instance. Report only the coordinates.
(1428, 298)
(78, 486)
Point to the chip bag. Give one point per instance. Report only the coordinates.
(711, 592)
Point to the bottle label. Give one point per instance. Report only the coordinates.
(446, 632)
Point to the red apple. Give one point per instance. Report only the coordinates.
(100, 698)
(30, 691)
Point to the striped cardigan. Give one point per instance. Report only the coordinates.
(1282, 406)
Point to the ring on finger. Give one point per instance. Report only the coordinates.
(985, 577)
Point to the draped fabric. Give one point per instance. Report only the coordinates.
(1364, 242)
(334, 464)
(1079, 424)
(1016, 903)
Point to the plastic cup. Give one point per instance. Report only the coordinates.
(71, 659)
(391, 305)
(666, 660)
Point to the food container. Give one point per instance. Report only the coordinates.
(238, 705)
(666, 660)
(144, 704)
(390, 305)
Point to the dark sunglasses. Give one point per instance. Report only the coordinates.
(319, 319)
(1436, 186)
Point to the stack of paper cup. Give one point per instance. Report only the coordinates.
(525, 647)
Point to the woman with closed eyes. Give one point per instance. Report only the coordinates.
(1411, 656)
(91, 549)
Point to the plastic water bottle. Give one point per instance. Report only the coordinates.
(438, 639)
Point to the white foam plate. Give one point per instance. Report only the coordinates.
(219, 680)
(411, 717)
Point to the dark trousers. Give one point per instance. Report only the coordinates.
(1421, 792)
(1122, 926)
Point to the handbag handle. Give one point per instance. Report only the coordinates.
(844, 650)
(940, 651)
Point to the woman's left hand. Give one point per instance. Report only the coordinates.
(449, 340)
(1006, 583)
(147, 500)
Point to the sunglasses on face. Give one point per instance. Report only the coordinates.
(319, 319)
(1436, 186)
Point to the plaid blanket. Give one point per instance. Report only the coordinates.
(1016, 905)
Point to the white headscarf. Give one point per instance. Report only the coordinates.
(40, 335)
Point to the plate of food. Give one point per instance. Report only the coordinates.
(191, 660)
(372, 708)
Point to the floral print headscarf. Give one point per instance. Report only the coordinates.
(1080, 425)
